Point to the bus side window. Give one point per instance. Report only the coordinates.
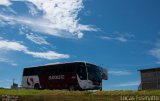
(28, 72)
(82, 72)
(70, 68)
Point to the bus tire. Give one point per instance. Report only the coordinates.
(71, 88)
(36, 86)
(100, 89)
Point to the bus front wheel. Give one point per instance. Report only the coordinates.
(71, 88)
(36, 86)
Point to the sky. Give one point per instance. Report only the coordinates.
(122, 36)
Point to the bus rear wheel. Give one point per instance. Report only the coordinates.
(36, 86)
(71, 88)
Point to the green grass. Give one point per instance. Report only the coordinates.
(63, 95)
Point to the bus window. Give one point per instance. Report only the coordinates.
(28, 71)
(70, 68)
(94, 73)
(81, 71)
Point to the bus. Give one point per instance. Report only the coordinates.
(71, 76)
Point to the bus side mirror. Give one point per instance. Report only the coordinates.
(104, 74)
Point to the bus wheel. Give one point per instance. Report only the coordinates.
(36, 86)
(71, 88)
(100, 89)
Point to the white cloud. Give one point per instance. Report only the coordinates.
(32, 9)
(43, 26)
(15, 46)
(121, 39)
(117, 36)
(136, 83)
(8, 61)
(36, 39)
(59, 18)
(5, 2)
(8, 10)
(50, 55)
(156, 53)
(118, 73)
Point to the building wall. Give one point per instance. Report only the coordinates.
(150, 79)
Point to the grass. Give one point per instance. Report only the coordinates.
(62, 95)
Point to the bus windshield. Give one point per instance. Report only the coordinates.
(94, 73)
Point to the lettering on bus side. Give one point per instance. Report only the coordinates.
(57, 77)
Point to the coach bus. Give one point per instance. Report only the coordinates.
(72, 76)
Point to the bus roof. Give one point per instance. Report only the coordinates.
(59, 63)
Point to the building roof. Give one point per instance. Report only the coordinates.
(148, 69)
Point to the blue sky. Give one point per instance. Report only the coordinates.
(120, 35)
